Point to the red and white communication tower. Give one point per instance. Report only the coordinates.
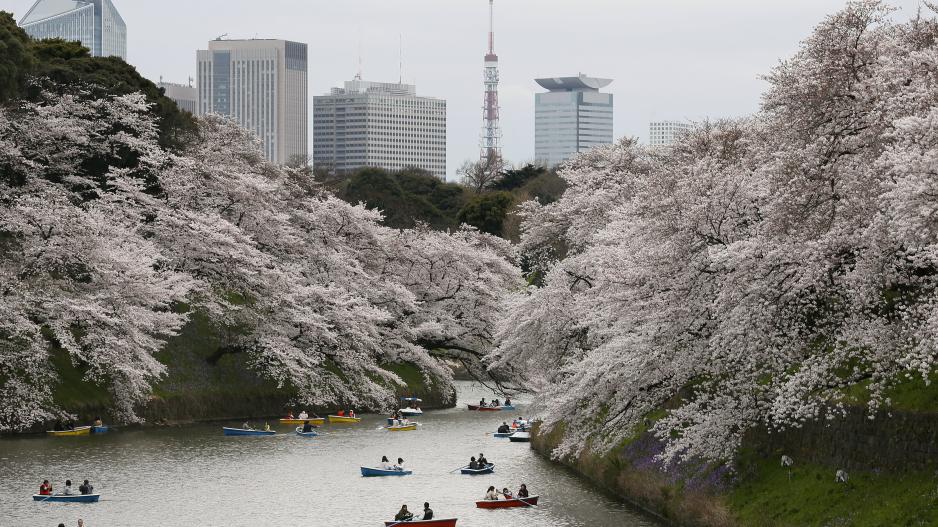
(490, 144)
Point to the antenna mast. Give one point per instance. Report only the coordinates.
(490, 147)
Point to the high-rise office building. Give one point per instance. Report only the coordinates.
(94, 23)
(261, 84)
(185, 96)
(377, 124)
(663, 133)
(573, 116)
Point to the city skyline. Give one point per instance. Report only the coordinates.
(684, 61)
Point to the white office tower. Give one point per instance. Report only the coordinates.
(573, 116)
(185, 96)
(377, 124)
(94, 23)
(663, 133)
(261, 84)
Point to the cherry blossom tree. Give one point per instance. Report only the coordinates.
(750, 273)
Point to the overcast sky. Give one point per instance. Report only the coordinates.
(670, 59)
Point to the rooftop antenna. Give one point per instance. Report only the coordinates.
(358, 76)
(221, 37)
(191, 80)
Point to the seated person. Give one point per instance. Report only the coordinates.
(403, 515)
(98, 422)
(385, 464)
(68, 488)
(351, 413)
(86, 488)
(399, 465)
(267, 427)
(504, 429)
(307, 427)
(495, 403)
(473, 464)
(523, 491)
(303, 415)
(507, 401)
(290, 415)
(427, 512)
(46, 488)
(482, 403)
(246, 426)
(482, 461)
(340, 413)
(507, 493)
(491, 494)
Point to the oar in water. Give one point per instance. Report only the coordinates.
(400, 522)
(460, 468)
(529, 504)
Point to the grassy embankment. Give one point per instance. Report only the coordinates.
(196, 388)
(760, 493)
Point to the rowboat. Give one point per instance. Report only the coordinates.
(411, 411)
(300, 432)
(520, 437)
(99, 429)
(449, 522)
(375, 472)
(246, 432)
(315, 421)
(343, 419)
(71, 498)
(79, 431)
(477, 408)
(402, 428)
(504, 504)
(502, 434)
(490, 468)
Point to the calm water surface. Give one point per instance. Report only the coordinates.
(194, 476)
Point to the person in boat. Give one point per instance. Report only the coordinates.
(491, 494)
(427, 512)
(351, 413)
(482, 403)
(473, 464)
(507, 494)
(340, 413)
(266, 426)
(86, 488)
(46, 488)
(385, 464)
(68, 488)
(504, 429)
(303, 415)
(290, 415)
(495, 403)
(404, 515)
(507, 401)
(307, 427)
(246, 426)
(523, 491)
(400, 464)
(482, 461)
(98, 421)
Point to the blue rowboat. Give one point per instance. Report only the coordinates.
(99, 429)
(300, 432)
(507, 407)
(71, 498)
(375, 472)
(502, 434)
(246, 432)
(490, 468)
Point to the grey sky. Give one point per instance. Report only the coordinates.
(671, 59)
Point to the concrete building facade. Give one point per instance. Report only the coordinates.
(573, 116)
(94, 23)
(185, 96)
(663, 133)
(261, 84)
(377, 124)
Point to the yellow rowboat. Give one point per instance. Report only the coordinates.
(402, 428)
(315, 421)
(80, 431)
(343, 419)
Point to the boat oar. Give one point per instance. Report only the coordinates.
(529, 504)
(460, 468)
(400, 522)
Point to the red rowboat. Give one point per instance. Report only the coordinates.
(477, 408)
(449, 522)
(502, 504)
